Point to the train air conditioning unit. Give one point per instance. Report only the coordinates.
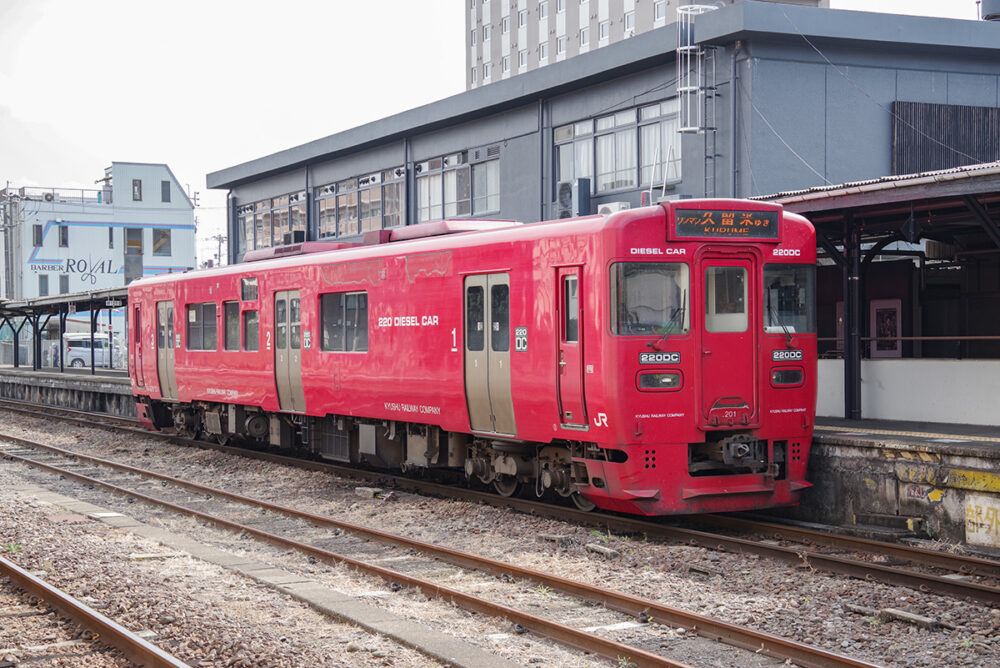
(573, 198)
(609, 208)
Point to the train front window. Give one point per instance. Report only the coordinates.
(789, 298)
(726, 299)
(650, 298)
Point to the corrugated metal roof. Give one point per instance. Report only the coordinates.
(883, 183)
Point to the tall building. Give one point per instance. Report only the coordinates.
(508, 37)
(62, 240)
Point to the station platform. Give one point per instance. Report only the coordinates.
(884, 478)
(107, 390)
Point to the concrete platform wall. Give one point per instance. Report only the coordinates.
(107, 395)
(922, 390)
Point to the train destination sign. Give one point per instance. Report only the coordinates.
(726, 224)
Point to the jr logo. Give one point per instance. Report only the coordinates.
(601, 420)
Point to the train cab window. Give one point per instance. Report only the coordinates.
(251, 331)
(295, 324)
(789, 298)
(345, 321)
(201, 326)
(231, 311)
(475, 318)
(650, 298)
(571, 318)
(726, 299)
(500, 318)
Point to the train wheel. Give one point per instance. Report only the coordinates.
(507, 485)
(582, 502)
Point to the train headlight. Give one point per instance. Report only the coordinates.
(787, 377)
(659, 380)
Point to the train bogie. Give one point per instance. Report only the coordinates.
(656, 361)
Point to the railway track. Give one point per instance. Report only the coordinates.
(938, 574)
(305, 531)
(111, 633)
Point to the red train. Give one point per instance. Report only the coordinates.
(655, 361)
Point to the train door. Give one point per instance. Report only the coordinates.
(288, 350)
(487, 354)
(165, 345)
(572, 407)
(137, 347)
(728, 350)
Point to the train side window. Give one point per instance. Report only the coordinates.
(500, 318)
(248, 289)
(232, 331)
(295, 324)
(280, 325)
(251, 330)
(475, 314)
(201, 326)
(161, 334)
(726, 299)
(345, 321)
(571, 302)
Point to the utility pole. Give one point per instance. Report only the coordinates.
(218, 254)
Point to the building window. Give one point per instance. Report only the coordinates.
(487, 67)
(616, 151)
(543, 9)
(487, 32)
(505, 25)
(560, 5)
(361, 204)
(506, 64)
(63, 284)
(37, 235)
(136, 190)
(63, 236)
(164, 191)
(43, 285)
(575, 151)
(201, 332)
(111, 237)
(345, 321)
(522, 18)
(543, 51)
(475, 37)
(475, 74)
(244, 220)
(231, 313)
(629, 22)
(560, 46)
(659, 143)
(522, 58)
(444, 188)
(161, 242)
(585, 37)
(604, 30)
(251, 331)
(486, 187)
(660, 10)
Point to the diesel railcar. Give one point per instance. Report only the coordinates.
(659, 360)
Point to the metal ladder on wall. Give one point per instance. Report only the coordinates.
(697, 89)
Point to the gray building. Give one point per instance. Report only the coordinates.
(789, 97)
(508, 37)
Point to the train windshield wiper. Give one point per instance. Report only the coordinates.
(781, 323)
(677, 317)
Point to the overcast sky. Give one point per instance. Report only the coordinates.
(202, 86)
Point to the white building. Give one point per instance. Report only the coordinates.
(61, 240)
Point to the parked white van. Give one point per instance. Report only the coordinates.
(78, 350)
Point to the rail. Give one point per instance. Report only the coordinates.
(132, 646)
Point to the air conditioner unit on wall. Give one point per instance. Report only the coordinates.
(572, 198)
(609, 208)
